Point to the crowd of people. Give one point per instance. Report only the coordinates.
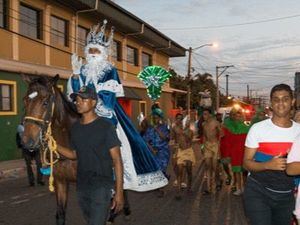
(254, 158)
(259, 159)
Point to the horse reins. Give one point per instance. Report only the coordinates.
(51, 144)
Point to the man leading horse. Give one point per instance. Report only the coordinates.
(97, 153)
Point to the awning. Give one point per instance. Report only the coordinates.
(131, 94)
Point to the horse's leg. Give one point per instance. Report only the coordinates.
(61, 201)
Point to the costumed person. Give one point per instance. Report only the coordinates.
(145, 124)
(225, 144)
(211, 152)
(157, 138)
(141, 171)
(237, 130)
(185, 156)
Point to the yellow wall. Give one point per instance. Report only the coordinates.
(162, 60)
(60, 59)
(31, 51)
(6, 44)
(34, 51)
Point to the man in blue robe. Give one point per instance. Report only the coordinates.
(141, 171)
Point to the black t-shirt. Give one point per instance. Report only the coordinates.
(92, 143)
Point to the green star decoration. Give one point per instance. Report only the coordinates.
(154, 77)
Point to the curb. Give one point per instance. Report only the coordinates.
(13, 173)
(12, 169)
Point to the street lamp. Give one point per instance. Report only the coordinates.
(189, 72)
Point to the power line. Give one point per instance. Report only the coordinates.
(233, 25)
(199, 63)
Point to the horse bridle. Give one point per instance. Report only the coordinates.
(46, 138)
(45, 122)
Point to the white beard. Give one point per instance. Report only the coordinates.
(95, 68)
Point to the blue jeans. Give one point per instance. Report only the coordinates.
(265, 207)
(95, 205)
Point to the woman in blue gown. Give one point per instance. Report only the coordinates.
(158, 137)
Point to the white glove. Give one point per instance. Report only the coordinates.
(76, 63)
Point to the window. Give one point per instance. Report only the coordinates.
(3, 13)
(132, 56)
(59, 31)
(143, 107)
(30, 22)
(146, 59)
(8, 97)
(81, 36)
(116, 50)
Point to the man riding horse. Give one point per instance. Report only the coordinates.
(141, 171)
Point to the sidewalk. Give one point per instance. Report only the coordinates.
(12, 169)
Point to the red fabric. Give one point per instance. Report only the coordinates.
(126, 105)
(237, 147)
(275, 148)
(224, 143)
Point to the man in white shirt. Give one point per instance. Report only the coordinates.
(268, 196)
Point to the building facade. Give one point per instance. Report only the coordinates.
(38, 37)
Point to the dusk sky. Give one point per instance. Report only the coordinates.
(261, 38)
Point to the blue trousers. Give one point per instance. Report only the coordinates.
(265, 207)
(95, 205)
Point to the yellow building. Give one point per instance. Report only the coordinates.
(37, 37)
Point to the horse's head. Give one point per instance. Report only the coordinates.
(39, 105)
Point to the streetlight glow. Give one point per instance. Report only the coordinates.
(215, 45)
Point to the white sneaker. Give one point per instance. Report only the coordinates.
(183, 185)
(237, 192)
(175, 183)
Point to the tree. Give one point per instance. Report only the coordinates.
(199, 83)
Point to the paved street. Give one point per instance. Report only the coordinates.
(23, 205)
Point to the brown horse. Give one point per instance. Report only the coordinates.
(44, 103)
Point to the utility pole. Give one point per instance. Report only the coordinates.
(189, 73)
(217, 83)
(227, 85)
(248, 99)
(189, 81)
